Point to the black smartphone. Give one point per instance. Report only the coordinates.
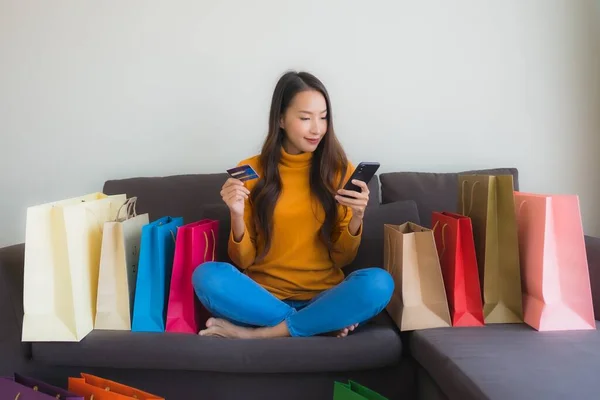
(363, 172)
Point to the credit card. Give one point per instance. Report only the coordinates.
(243, 173)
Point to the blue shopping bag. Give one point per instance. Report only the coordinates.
(157, 249)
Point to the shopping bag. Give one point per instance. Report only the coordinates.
(196, 244)
(96, 388)
(118, 268)
(419, 298)
(20, 387)
(155, 266)
(556, 283)
(456, 250)
(354, 391)
(62, 257)
(489, 201)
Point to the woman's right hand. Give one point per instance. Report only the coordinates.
(234, 194)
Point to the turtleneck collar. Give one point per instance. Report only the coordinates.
(301, 160)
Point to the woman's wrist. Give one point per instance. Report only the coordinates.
(238, 227)
(354, 225)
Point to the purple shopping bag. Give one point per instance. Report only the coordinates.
(20, 387)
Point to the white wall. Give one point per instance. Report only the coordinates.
(168, 87)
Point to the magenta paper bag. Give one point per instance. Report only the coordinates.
(554, 269)
(196, 244)
(20, 387)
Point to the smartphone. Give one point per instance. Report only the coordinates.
(363, 172)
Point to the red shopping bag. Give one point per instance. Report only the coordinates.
(196, 244)
(456, 249)
(556, 283)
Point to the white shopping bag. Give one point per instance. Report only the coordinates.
(118, 268)
(62, 256)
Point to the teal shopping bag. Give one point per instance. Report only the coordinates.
(157, 249)
(354, 391)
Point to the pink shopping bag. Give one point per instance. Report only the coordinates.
(196, 243)
(554, 269)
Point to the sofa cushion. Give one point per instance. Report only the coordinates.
(376, 344)
(431, 191)
(177, 195)
(370, 252)
(510, 361)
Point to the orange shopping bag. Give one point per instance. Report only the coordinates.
(556, 283)
(95, 388)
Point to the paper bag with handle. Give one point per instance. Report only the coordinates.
(63, 240)
(419, 299)
(96, 388)
(489, 201)
(556, 283)
(456, 249)
(118, 268)
(196, 244)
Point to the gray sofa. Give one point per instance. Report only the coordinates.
(495, 362)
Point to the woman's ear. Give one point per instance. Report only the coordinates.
(281, 122)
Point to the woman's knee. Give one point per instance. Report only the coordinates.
(378, 285)
(211, 277)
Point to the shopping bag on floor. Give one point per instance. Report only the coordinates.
(354, 391)
(556, 282)
(20, 387)
(196, 244)
(419, 298)
(155, 266)
(95, 388)
(118, 268)
(62, 257)
(456, 250)
(489, 202)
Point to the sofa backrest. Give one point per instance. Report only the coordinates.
(196, 197)
(431, 191)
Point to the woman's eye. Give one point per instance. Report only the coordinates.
(304, 118)
(324, 118)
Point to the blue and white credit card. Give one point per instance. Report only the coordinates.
(243, 173)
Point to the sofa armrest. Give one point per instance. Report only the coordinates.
(14, 353)
(592, 246)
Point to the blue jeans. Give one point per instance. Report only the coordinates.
(229, 294)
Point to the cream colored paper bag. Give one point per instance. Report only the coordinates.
(118, 269)
(62, 256)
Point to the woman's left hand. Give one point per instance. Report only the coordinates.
(357, 201)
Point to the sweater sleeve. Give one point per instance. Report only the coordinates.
(345, 244)
(243, 253)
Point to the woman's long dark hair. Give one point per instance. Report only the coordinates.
(329, 162)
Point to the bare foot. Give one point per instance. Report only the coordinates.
(344, 332)
(221, 328)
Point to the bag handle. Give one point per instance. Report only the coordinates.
(214, 244)
(131, 209)
(443, 237)
(463, 197)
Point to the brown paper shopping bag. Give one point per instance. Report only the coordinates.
(118, 268)
(410, 256)
(489, 202)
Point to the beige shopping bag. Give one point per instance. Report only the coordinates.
(410, 256)
(62, 256)
(489, 202)
(118, 268)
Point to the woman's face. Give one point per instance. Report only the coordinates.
(304, 122)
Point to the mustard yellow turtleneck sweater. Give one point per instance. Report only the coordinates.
(298, 265)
